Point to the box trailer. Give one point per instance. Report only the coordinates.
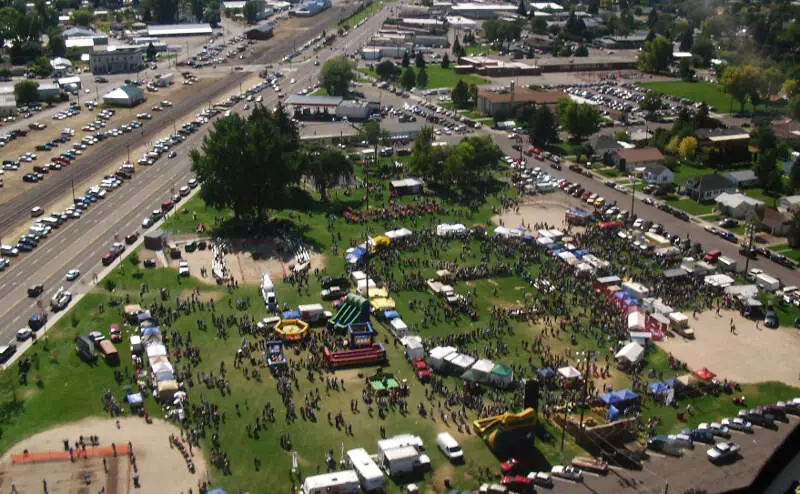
(369, 475)
(400, 461)
(268, 292)
(311, 312)
(344, 482)
(726, 264)
(767, 282)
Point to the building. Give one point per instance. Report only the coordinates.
(8, 103)
(656, 174)
(503, 103)
(127, 96)
(83, 45)
(122, 60)
(776, 221)
(637, 157)
(72, 83)
(494, 67)
(235, 7)
(378, 52)
(789, 204)
(483, 10)
(314, 107)
(730, 142)
(738, 205)
(74, 35)
(311, 8)
(708, 187)
(49, 91)
(634, 40)
(743, 179)
(431, 41)
(179, 30)
(61, 66)
(603, 147)
(261, 32)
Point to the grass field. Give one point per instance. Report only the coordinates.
(691, 206)
(701, 91)
(439, 77)
(758, 193)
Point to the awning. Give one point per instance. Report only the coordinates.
(632, 352)
(657, 387)
(546, 372)
(704, 374)
(569, 372)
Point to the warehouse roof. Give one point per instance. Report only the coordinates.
(179, 29)
(300, 100)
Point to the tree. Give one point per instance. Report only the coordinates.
(581, 51)
(196, 8)
(685, 69)
(521, 10)
(419, 60)
(247, 165)
(580, 120)
(26, 91)
(574, 28)
(472, 89)
(164, 11)
(250, 12)
(211, 15)
(337, 74)
(41, 67)
(651, 103)
(151, 51)
(406, 62)
(656, 56)
(686, 40)
(422, 78)
(703, 50)
(387, 70)
(543, 128)
(408, 79)
(326, 166)
(772, 81)
(794, 175)
(539, 25)
(460, 95)
(652, 18)
(56, 46)
(501, 31)
(766, 167)
(82, 17)
(423, 161)
(445, 61)
(793, 235)
(741, 82)
(789, 88)
(688, 147)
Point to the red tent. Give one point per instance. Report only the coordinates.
(609, 225)
(704, 374)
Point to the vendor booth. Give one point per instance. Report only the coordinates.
(437, 357)
(632, 353)
(502, 376)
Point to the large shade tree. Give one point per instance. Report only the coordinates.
(337, 74)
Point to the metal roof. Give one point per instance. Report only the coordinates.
(178, 29)
(300, 100)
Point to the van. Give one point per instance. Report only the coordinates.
(449, 447)
(109, 352)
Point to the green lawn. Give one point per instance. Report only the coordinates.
(701, 91)
(478, 49)
(609, 172)
(685, 172)
(320, 92)
(758, 193)
(439, 77)
(691, 206)
(192, 213)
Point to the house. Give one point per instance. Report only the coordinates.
(738, 205)
(126, 95)
(657, 174)
(121, 60)
(789, 204)
(603, 146)
(61, 66)
(637, 157)
(640, 135)
(503, 103)
(743, 179)
(708, 187)
(777, 222)
(722, 136)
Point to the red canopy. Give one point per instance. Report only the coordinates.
(608, 225)
(704, 374)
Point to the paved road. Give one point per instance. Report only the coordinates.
(81, 243)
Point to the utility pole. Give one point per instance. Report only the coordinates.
(129, 154)
(73, 191)
(750, 231)
(589, 356)
(564, 428)
(633, 194)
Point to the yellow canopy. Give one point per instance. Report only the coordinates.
(382, 303)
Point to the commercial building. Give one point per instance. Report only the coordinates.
(179, 30)
(235, 7)
(311, 8)
(78, 33)
(61, 66)
(49, 91)
(494, 67)
(503, 102)
(327, 107)
(483, 10)
(378, 52)
(261, 32)
(122, 60)
(127, 96)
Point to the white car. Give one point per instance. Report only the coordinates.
(183, 268)
(543, 479)
(24, 333)
(738, 424)
(147, 223)
(72, 275)
(568, 472)
(715, 428)
(723, 452)
(681, 440)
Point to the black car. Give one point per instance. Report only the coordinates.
(330, 281)
(30, 178)
(37, 321)
(35, 290)
(6, 351)
(758, 418)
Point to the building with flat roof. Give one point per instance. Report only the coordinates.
(483, 10)
(494, 67)
(261, 31)
(179, 30)
(503, 102)
(8, 103)
(121, 60)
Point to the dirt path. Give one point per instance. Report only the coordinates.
(161, 469)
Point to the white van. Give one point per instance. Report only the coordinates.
(449, 447)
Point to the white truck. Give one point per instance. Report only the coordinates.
(345, 482)
(400, 461)
(767, 282)
(268, 292)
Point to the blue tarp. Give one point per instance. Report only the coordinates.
(291, 314)
(609, 398)
(673, 383)
(134, 399)
(217, 491)
(578, 212)
(579, 253)
(625, 395)
(527, 238)
(546, 372)
(613, 413)
(390, 314)
(143, 316)
(657, 387)
(152, 330)
(355, 255)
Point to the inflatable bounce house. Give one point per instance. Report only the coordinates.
(275, 358)
(507, 433)
(292, 329)
(360, 335)
(354, 309)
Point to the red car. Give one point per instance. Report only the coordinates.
(108, 258)
(166, 205)
(517, 483)
(116, 334)
(131, 238)
(422, 370)
(510, 465)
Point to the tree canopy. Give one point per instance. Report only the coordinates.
(387, 70)
(408, 79)
(656, 56)
(543, 127)
(501, 32)
(326, 166)
(337, 74)
(26, 91)
(466, 164)
(579, 119)
(741, 82)
(250, 12)
(249, 164)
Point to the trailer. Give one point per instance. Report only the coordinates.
(726, 264)
(369, 475)
(345, 482)
(767, 282)
(312, 313)
(400, 461)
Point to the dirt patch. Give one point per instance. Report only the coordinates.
(549, 209)
(251, 259)
(749, 355)
(204, 296)
(438, 476)
(161, 469)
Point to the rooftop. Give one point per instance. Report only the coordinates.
(179, 29)
(484, 6)
(521, 95)
(300, 100)
(737, 199)
(641, 155)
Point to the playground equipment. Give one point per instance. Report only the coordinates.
(373, 354)
(275, 358)
(292, 329)
(497, 430)
(383, 383)
(354, 309)
(360, 335)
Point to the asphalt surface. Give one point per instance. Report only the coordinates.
(80, 244)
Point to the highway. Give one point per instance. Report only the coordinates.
(79, 244)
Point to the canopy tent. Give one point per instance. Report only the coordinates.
(609, 398)
(546, 372)
(437, 356)
(673, 383)
(481, 369)
(445, 230)
(632, 352)
(460, 361)
(657, 387)
(569, 372)
(151, 331)
(399, 233)
(502, 375)
(134, 398)
(390, 314)
(704, 374)
(217, 491)
(354, 255)
(502, 231)
(544, 241)
(143, 316)
(156, 350)
(636, 321)
(625, 395)
(399, 327)
(160, 364)
(719, 280)
(613, 413)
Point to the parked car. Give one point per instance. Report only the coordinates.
(737, 424)
(723, 452)
(72, 275)
(35, 290)
(699, 436)
(568, 472)
(543, 479)
(517, 483)
(715, 428)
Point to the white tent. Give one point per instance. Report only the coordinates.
(124, 96)
(399, 233)
(632, 352)
(413, 347)
(636, 321)
(566, 256)
(445, 230)
(460, 361)
(362, 285)
(482, 368)
(156, 350)
(437, 356)
(544, 241)
(502, 231)
(679, 318)
(556, 234)
(719, 280)
(569, 372)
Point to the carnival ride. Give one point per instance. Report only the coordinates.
(292, 329)
(354, 309)
(495, 430)
(275, 358)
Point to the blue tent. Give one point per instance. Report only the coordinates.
(355, 255)
(609, 398)
(217, 491)
(657, 387)
(613, 413)
(143, 316)
(152, 330)
(673, 383)
(291, 314)
(134, 398)
(390, 314)
(625, 395)
(546, 372)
